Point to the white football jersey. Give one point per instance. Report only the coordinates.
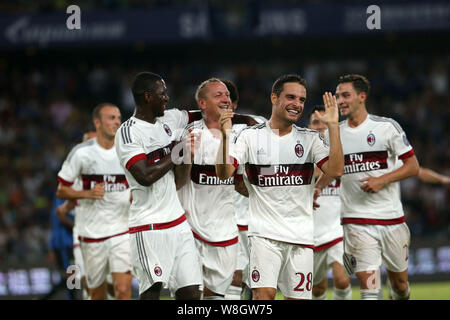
(327, 218)
(209, 201)
(281, 175)
(93, 164)
(136, 140)
(371, 149)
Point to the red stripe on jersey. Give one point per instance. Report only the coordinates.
(234, 162)
(135, 159)
(242, 227)
(406, 155)
(382, 222)
(64, 182)
(158, 226)
(280, 175)
(365, 161)
(113, 182)
(206, 175)
(328, 244)
(225, 243)
(321, 162)
(190, 117)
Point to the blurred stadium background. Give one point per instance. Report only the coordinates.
(51, 78)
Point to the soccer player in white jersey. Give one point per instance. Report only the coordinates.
(279, 159)
(328, 234)
(209, 201)
(163, 251)
(374, 225)
(104, 203)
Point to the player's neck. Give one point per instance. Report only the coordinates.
(280, 128)
(105, 142)
(357, 118)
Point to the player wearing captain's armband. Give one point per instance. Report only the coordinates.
(279, 160)
(375, 231)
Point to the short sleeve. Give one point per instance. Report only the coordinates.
(71, 168)
(129, 147)
(320, 149)
(398, 143)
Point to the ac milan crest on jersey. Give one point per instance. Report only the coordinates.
(157, 271)
(168, 131)
(371, 139)
(255, 275)
(299, 150)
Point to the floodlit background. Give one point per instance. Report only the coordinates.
(51, 78)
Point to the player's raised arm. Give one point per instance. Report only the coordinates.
(224, 169)
(334, 167)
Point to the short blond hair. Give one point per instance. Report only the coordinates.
(200, 92)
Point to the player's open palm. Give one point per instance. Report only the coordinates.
(331, 114)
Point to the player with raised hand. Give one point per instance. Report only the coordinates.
(375, 230)
(328, 234)
(279, 159)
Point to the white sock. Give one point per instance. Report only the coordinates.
(369, 294)
(342, 294)
(322, 297)
(233, 293)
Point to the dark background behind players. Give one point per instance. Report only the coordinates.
(48, 90)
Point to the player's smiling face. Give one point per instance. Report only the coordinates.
(291, 102)
(348, 99)
(215, 100)
(109, 122)
(160, 98)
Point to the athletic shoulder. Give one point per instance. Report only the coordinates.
(388, 121)
(80, 147)
(250, 129)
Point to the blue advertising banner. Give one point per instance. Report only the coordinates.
(245, 21)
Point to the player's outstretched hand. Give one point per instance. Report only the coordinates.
(331, 114)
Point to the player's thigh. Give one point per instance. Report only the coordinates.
(296, 276)
(152, 256)
(219, 264)
(120, 254)
(395, 242)
(320, 266)
(95, 258)
(187, 270)
(265, 262)
(362, 249)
